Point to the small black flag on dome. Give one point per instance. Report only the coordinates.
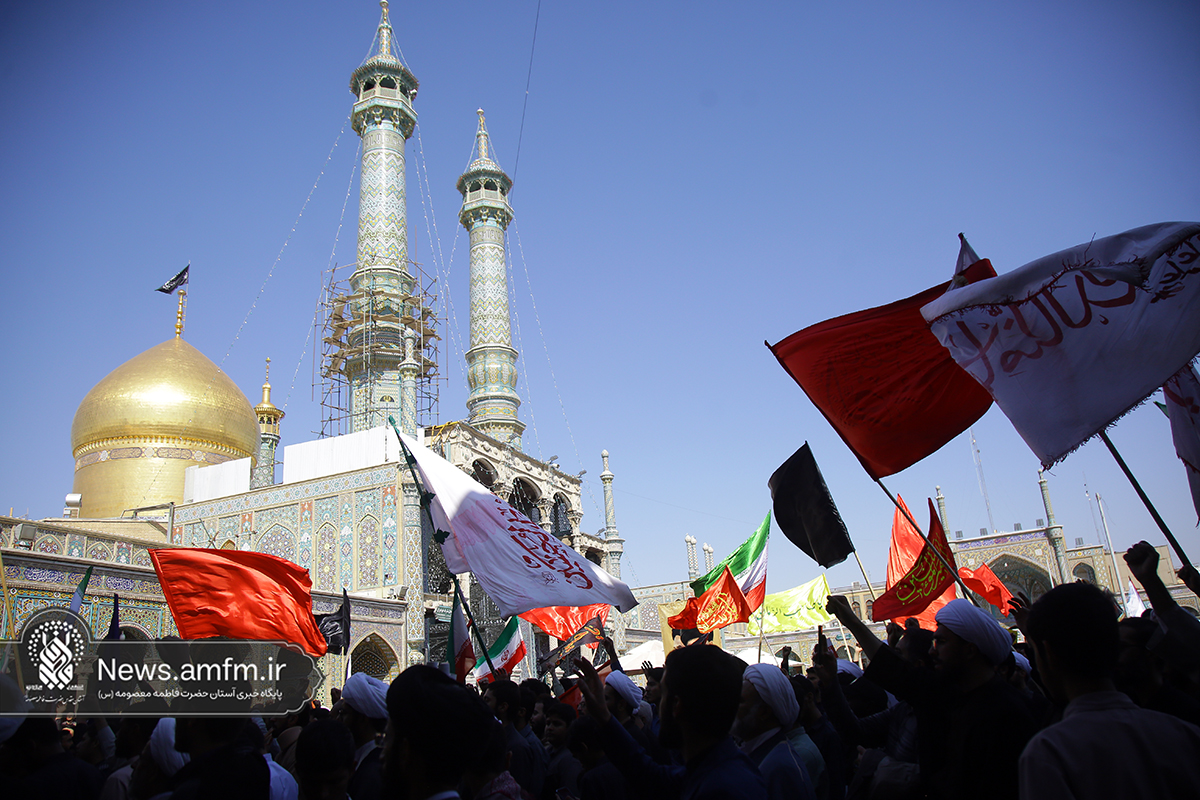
(179, 280)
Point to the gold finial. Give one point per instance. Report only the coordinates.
(482, 136)
(266, 387)
(385, 31)
(179, 314)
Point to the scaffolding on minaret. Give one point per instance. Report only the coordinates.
(342, 309)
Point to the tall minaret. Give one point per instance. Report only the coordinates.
(491, 359)
(614, 544)
(268, 426)
(381, 286)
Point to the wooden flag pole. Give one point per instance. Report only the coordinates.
(1145, 500)
(966, 593)
(864, 573)
(426, 499)
(762, 633)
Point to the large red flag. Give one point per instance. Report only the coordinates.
(723, 604)
(238, 594)
(884, 382)
(925, 585)
(983, 582)
(562, 622)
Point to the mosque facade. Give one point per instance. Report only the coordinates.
(170, 453)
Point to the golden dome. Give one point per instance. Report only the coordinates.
(142, 425)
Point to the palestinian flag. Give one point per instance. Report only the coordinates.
(459, 651)
(506, 653)
(749, 567)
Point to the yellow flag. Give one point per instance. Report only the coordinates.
(794, 610)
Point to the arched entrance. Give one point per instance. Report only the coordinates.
(374, 657)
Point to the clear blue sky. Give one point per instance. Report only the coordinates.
(694, 178)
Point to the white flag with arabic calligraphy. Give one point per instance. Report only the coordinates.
(1070, 342)
(519, 565)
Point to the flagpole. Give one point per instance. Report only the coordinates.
(1145, 500)
(762, 633)
(426, 497)
(471, 619)
(966, 593)
(864, 572)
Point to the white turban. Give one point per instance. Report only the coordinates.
(976, 627)
(283, 786)
(366, 695)
(776, 691)
(849, 667)
(626, 689)
(162, 748)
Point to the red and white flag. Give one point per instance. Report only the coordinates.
(518, 564)
(1182, 393)
(1070, 342)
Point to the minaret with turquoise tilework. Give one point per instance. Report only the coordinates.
(491, 359)
(381, 285)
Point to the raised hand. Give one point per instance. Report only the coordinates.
(592, 687)
(1142, 560)
(1018, 607)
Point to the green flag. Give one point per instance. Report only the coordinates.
(794, 610)
(748, 564)
(77, 598)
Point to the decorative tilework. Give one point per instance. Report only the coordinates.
(326, 557)
(141, 557)
(304, 549)
(366, 503)
(229, 527)
(390, 575)
(124, 553)
(75, 545)
(346, 557)
(100, 552)
(368, 552)
(287, 516)
(47, 544)
(277, 541)
(196, 535)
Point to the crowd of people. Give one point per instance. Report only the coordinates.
(1086, 705)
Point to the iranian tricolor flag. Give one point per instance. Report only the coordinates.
(505, 654)
(459, 651)
(749, 567)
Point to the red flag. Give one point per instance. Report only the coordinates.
(238, 594)
(562, 622)
(984, 583)
(884, 382)
(927, 585)
(723, 604)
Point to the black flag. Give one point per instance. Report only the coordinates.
(805, 512)
(592, 631)
(179, 280)
(335, 627)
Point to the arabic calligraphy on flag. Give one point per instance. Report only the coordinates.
(1068, 343)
